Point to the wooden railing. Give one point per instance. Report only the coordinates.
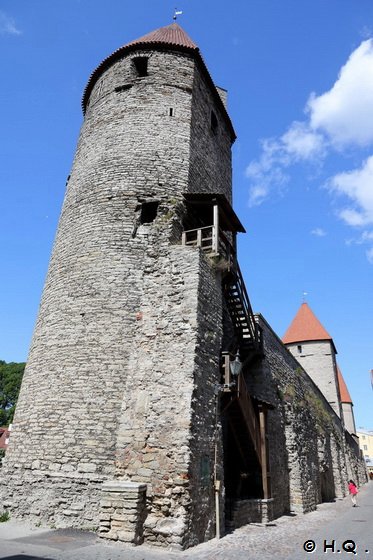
(213, 240)
(204, 237)
(250, 330)
(210, 239)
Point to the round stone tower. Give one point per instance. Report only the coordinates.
(314, 348)
(119, 384)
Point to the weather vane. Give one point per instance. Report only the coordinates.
(304, 296)
(177, 13)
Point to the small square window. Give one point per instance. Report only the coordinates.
(141, 65)
(149, 212)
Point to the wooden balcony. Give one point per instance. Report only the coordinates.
(212, 240)
(208, 219)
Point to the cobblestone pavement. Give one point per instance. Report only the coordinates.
(282, 539)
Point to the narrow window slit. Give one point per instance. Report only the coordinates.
(214, 122)
(123, 87)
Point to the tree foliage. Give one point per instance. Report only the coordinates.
(10, 382)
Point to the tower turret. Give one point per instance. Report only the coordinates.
(120, 381)
(313, 347)
(346, 403)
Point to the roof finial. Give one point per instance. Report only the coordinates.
(304, 297)
(176, 13)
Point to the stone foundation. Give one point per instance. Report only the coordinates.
(251, 511)
(123, 511)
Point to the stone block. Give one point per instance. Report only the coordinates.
(87, 467)
(105, 503)
(70, 513)
(127, 536)
(126, 520)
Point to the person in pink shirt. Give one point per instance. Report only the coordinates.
(352, 488)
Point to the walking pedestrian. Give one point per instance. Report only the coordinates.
(352, 488)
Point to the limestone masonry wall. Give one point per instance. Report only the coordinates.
(120, 378)
(118, 424)
(318, 359)
(309, 456)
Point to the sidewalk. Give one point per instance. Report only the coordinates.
(282, 538)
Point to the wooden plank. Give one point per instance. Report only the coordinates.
(264, 455)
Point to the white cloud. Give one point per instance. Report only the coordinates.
(369, 254)
(357, 186)
(262, 179)
(297, 144)
(300, 142)
(366, 238)
(7, 25)
(366, 32)
(344, 112)
(336, 119)
(319, 232)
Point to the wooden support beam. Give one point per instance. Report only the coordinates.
(215, 235)
(226, 370)
(264, 453)
(199, 238)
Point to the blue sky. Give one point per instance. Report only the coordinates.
(299, 76)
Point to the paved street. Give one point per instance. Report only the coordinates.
(351, 529)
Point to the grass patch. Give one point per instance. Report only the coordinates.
(4, 517)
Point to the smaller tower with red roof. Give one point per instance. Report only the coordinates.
(313, 347)
(346, 403)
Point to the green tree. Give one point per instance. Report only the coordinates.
(10, 382)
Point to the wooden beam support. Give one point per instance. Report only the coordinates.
(226, 370)
(215, 236)
(264, 453)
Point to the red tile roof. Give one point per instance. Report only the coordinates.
(305, 327)
(171, 35)
(345, 395)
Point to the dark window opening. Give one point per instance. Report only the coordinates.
(214, 122)
(171, 113)
(124, 87)
(148, 212)
(141, 65)
(299, 347)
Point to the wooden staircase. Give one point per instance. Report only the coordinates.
(241, 313)
(248, 422)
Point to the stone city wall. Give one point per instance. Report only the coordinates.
(307, 449)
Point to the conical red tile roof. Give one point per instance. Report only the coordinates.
(305, 327)
(170, 35)
(345, 395)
